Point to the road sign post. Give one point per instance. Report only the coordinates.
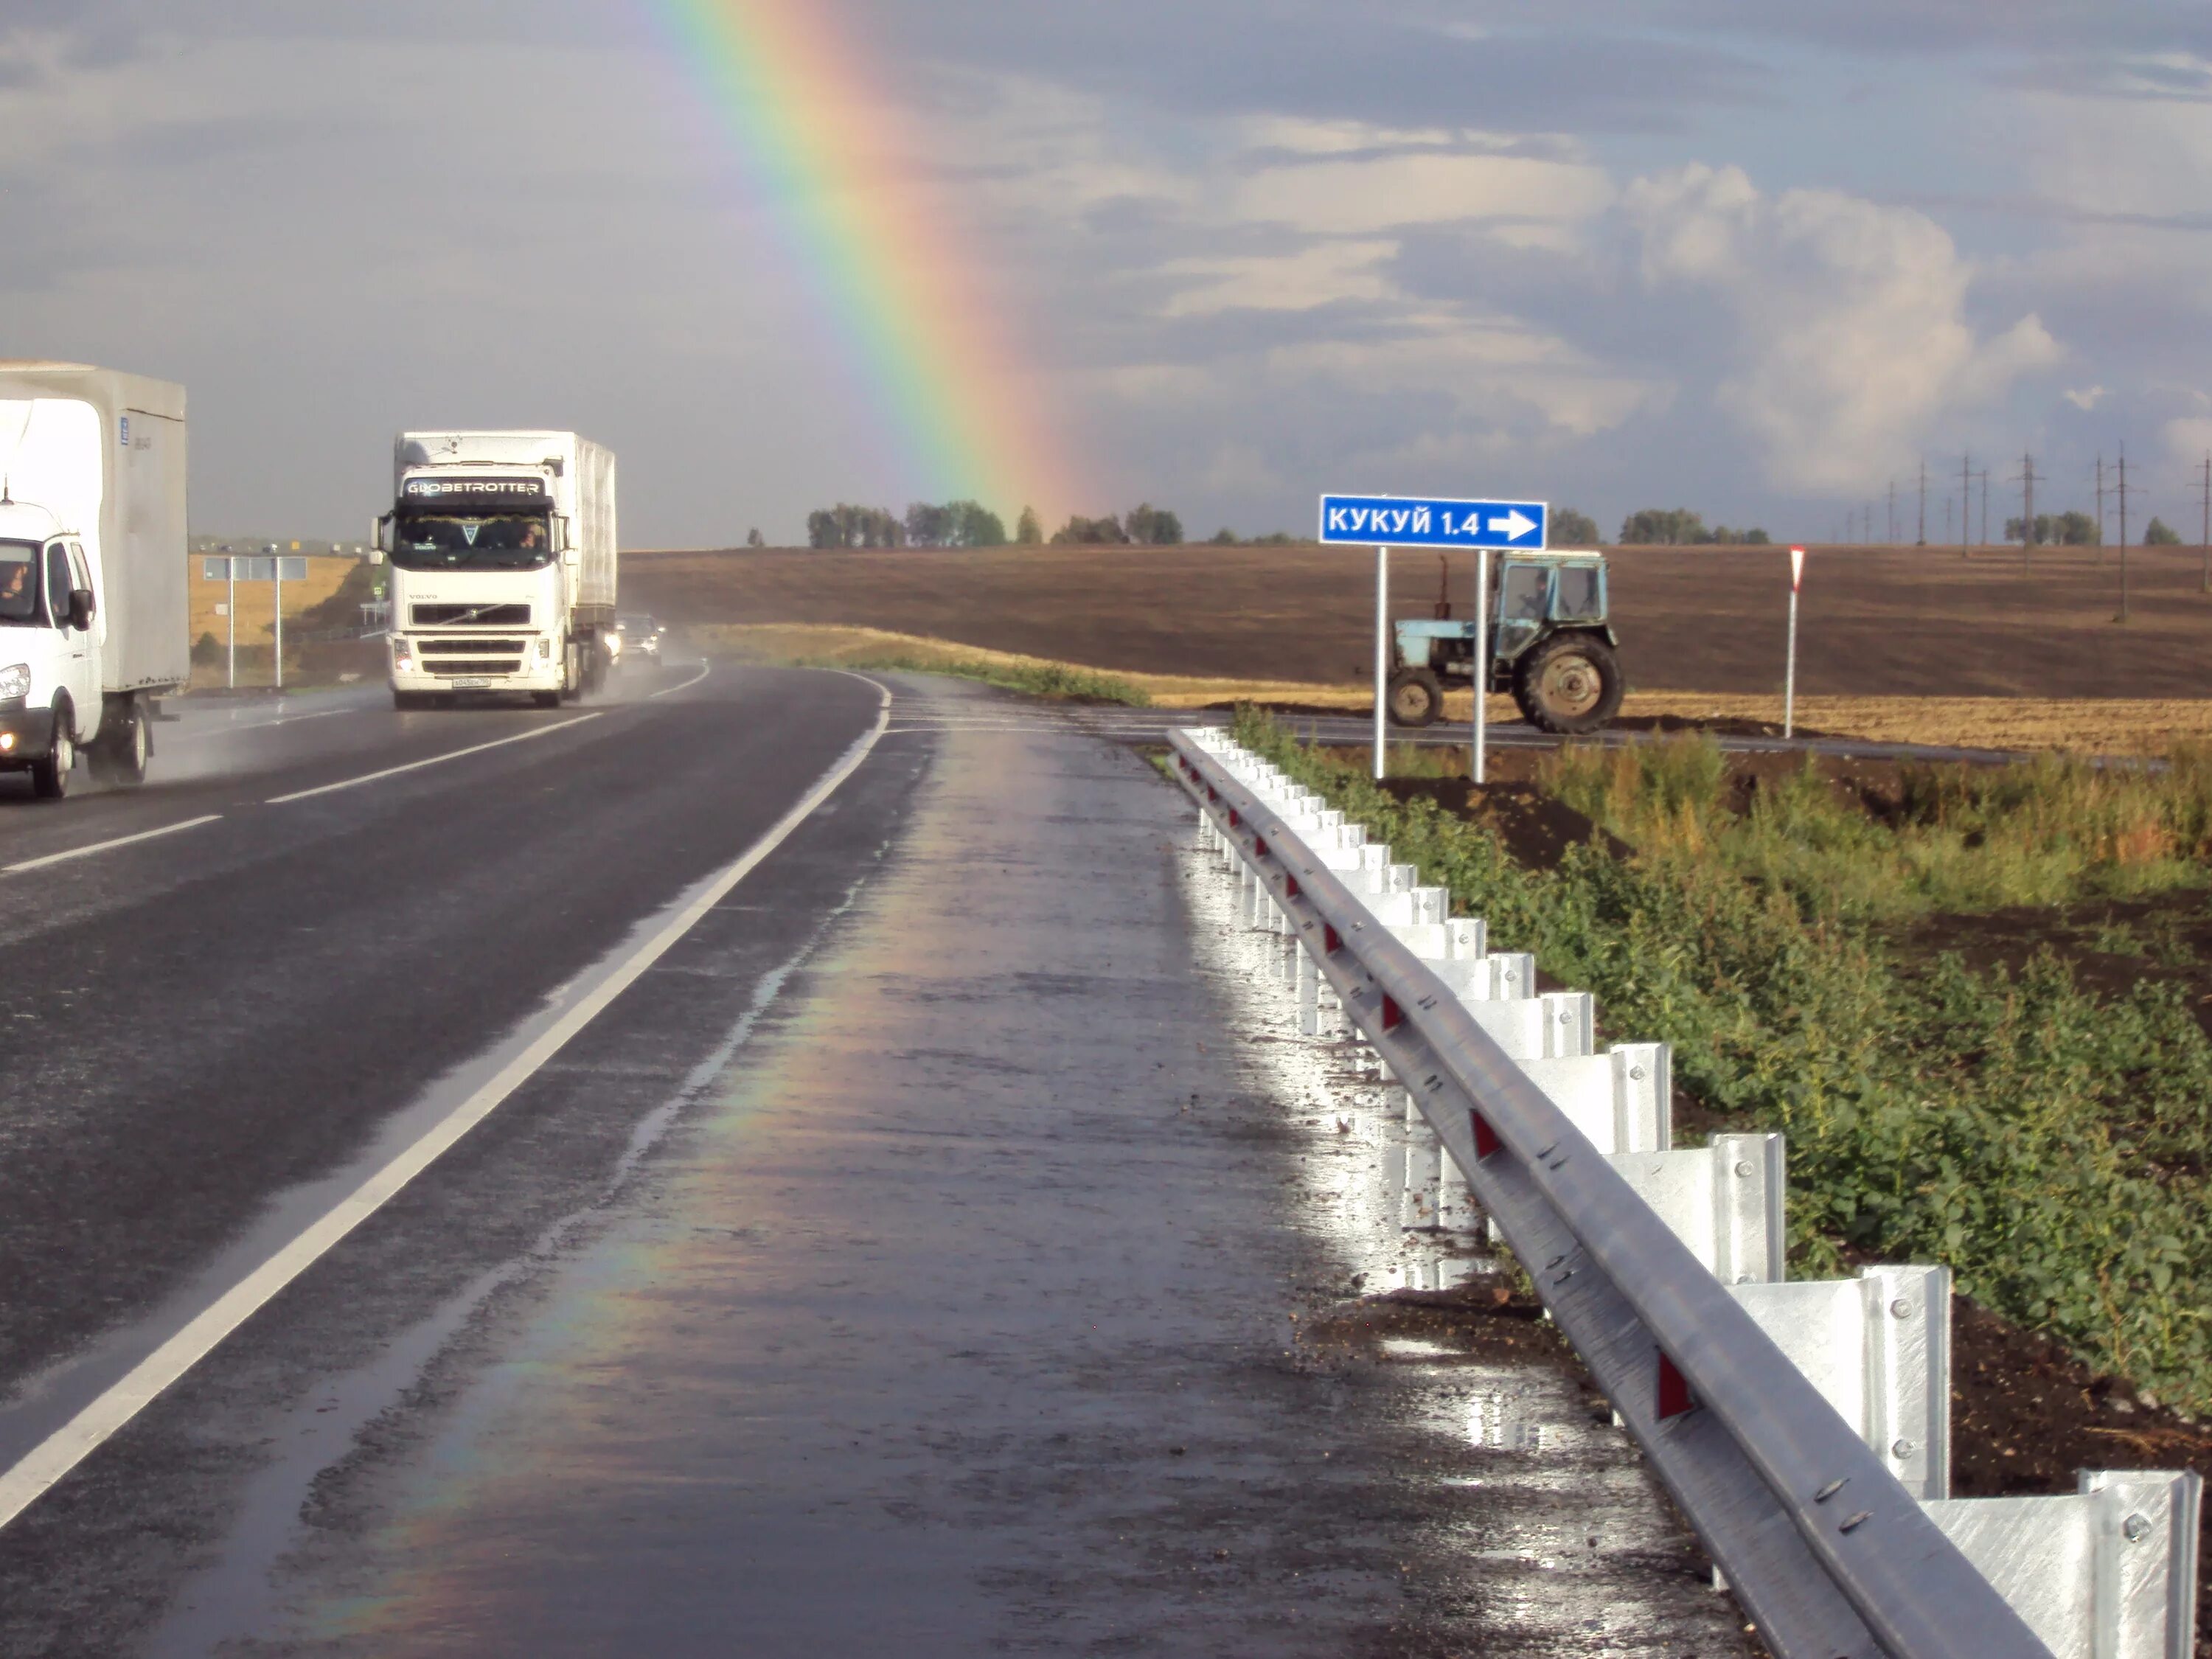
(1381, 649)
(1482, 664)
(1789, 671)
(1382, 522)
(230, 618)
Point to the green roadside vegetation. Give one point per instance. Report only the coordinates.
(2044, 1138)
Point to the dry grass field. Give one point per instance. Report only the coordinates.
(1877, 624)
(2109, 725)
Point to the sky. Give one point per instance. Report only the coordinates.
(1757, 260)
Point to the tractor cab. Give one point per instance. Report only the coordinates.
(1552, 645)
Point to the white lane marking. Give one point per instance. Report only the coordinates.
(435, 760)
(67, 1446)
(102, 845)
(225, 729)
(705, 669)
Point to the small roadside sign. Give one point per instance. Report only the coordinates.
(1408, 521)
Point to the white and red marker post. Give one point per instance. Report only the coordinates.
(1789, 673)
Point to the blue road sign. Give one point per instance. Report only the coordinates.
(1404, 521)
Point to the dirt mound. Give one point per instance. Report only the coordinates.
(1536, 828)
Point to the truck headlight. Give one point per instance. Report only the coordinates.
(403, 653)
(614, 645)
(545, 649)
(16, 680)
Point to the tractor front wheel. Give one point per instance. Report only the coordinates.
(1569, 684)
(1416, 697)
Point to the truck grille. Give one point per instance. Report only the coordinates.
(469, 647)
(475, 616)
(473, 667)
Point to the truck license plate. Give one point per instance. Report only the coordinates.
(470, 685)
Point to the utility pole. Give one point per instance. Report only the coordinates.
(2100, 510)
(2027, 512)
(1946, 521)
(1965, 502)
(1892, 513)
(1986, 507)
(2123, 533)
(2205, 541)
(1923, 542)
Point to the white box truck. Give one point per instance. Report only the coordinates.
(502, 559)
(96, 613)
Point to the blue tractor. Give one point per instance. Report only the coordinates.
(1551, 646)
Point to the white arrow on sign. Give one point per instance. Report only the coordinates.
(1513, 526)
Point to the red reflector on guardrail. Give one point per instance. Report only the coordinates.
(1674, 1395)
(1290, 886)
(1233, 819)
(1330, 942)
(1393, 1015)
(1260, 846)
(1485, 1138)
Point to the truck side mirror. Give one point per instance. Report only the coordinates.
(561, 532)
(81, 606)
(379, 534)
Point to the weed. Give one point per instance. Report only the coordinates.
(2045, 1142)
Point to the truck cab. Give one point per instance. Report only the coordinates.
(502, 555)
(1552, 645)
(50, 680)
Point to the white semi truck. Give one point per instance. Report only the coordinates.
(95, 612)
(502, 558)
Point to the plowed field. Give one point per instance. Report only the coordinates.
(1876, 623)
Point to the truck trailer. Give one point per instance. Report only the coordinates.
(502, 555)
(96, 613)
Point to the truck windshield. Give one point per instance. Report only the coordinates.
(503, 542)
(19, 582)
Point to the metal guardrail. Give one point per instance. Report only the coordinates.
(1826, 1551)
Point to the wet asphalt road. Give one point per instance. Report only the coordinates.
(914, 1259)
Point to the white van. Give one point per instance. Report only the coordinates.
(94, 606)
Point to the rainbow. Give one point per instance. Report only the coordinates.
(825, 146)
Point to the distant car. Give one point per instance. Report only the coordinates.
(640, 637)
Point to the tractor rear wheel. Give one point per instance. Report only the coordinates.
(1416, 697)
(1569, 684)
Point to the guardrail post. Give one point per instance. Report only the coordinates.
(1723, 1200)
(2108, 1571)
(1423, 1193)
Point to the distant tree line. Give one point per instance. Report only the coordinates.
(2078, 529)
(1677, 527)
(956, 523)
(1143, 526)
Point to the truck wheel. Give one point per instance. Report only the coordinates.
(119, 755)
(1416, 697)
(405, 701)
(546, 699)
(1569, 684)
(50, 777)
(572, 673)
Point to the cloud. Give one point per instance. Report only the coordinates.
(1845, 333)
(2087, 397)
